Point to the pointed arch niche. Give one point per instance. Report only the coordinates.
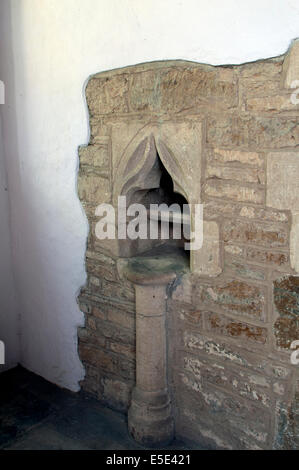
(162, 164)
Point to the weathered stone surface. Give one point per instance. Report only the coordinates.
(108, 94)
(165, 90)
(181, 290)
(243, 270)
(233, 191)
(94, 189)
(198, 343)
(95, 156)
(282, 180)
(99, 313)
(233, 415)
(126, 350)
(254, 233)
(246, 175)
(145, 91)
(185, 312)
(201, 85)
(112, 332)
(267, 257)
(263, 213)
(260, 84)
(235, 296)
(113, 290)
(235, 250)
(259, 72)
(294, 242)
(252, 386)
(283, 192)
(234, 329)
(254, 132)
(271, 104)
(104, 271)
(286, 330)
(290, 71)
(116, 393)
(286, 296)
(286, 300)
(287, 423)
(98, 358)
(90, 335)
(91, 382)
(206, 260)
(236, 156)
(214, 208)
(121, 318)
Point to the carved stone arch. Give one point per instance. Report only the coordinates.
(178, 144)
(138, 169)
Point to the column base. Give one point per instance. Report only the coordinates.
(149, 418)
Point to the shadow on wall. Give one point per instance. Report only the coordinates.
(9, 320)
(44, 209)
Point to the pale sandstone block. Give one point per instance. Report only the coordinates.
(107, 95)
(94, 189)
(94, 155)
(294, 242)
(206, 260)
(290, 69)
(275, 103)
(248, 158)
(236, 192)
(283, 180)
(249, 175)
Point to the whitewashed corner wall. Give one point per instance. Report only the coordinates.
(47, 53)
(9, 328)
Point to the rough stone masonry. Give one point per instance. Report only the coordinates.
(231, 319)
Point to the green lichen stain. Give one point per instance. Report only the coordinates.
(159, 261)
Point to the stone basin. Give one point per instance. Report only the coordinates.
(158, 266)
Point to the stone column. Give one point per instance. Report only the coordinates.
(150, 418)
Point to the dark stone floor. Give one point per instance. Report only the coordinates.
(35, 415)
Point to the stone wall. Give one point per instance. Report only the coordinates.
(229, 329)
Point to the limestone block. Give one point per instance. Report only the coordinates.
(201, 84)
(271, 104)
(255, 233)
(283, 193)
(122, 133)
(93, 189)
(94, 155)
(248, 175)
(107, 95)
(234, 191)
(283, 180)
(116, 393)
(238, 297)
(231, 156)
(290, 70)
(145, 91)
(279, 259)
(294, 242)
(253, 131)
(236, 329)
(206, 260)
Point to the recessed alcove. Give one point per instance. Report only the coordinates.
(168, 217)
